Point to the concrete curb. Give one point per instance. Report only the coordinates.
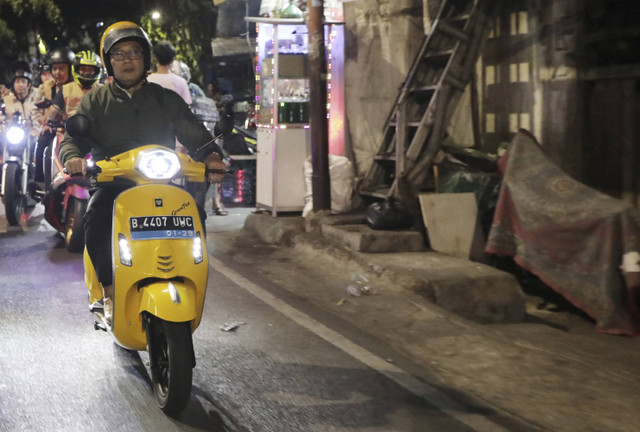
(472, 290)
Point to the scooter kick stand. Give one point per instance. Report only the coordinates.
(99, 326)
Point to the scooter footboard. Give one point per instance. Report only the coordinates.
(170, 301)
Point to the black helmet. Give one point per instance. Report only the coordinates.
(118, 32)
(86, 58)
(20, 74)
(43, 67)
(61, 55)
(21, 69)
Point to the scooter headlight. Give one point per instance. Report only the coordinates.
(158, 164)
(197, 249)
(125, 250)
(15, 135)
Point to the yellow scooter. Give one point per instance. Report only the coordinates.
(160, 266)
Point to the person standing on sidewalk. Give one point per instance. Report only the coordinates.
(165, 53)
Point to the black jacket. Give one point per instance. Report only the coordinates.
(120, 122)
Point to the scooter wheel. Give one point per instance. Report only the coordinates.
(13, 198)
(170, 344)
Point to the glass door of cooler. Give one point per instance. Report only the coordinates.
(283, 72)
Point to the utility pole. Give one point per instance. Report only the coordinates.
(320, 181)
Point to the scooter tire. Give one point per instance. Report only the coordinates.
(74, 225)
(172, 378)
(13, 199)
(47, 167)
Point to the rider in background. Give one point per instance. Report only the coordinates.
(86, 72)
(123, 115)
(21, 99)
(44, 72)
(60, 61)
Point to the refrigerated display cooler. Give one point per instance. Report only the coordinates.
(282, 108)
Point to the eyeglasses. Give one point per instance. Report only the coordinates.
(134, 54)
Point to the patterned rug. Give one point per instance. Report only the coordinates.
(569, 235)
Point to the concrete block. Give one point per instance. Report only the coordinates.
(452, 224)
(473, 290)
(361, 238)
(273, 230)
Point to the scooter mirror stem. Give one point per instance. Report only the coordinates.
(77, 125)
(209, 142)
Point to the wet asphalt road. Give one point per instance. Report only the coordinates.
(269, 374)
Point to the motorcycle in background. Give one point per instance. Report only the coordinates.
(17, 169)
(66, 198)
(240, 147)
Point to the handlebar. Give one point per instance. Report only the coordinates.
(93, 169)
(79, 174)
(217, 171)
(56, 124)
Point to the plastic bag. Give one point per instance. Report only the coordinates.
(388, 215)
(341, 182)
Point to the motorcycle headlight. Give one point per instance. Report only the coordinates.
(197, 250)
(125, 250)
(158, 164)
(15, 135)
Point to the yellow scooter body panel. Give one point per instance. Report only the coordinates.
(183, 301)
(162, 260)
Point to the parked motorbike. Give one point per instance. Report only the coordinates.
(240, 146)
(160, 265)
(66, 198)
(17, 169)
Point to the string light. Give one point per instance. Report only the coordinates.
(257, 77)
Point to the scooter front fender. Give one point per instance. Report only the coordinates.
(78, 191)
(170, 301)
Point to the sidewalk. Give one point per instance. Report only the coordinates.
(548, 368)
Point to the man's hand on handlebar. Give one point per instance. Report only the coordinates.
(214, 162)
(76, 165)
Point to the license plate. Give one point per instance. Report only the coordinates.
(161, 227)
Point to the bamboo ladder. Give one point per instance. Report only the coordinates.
(427, 99)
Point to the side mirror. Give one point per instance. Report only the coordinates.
(223, 127)
(77, 125)
(44, 104)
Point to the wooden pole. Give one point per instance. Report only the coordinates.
(318, 107)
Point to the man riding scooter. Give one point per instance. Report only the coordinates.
(22, 98)
(59, 61)
(124, 115)
(19, 134)
(85, 71)
(66, 199)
